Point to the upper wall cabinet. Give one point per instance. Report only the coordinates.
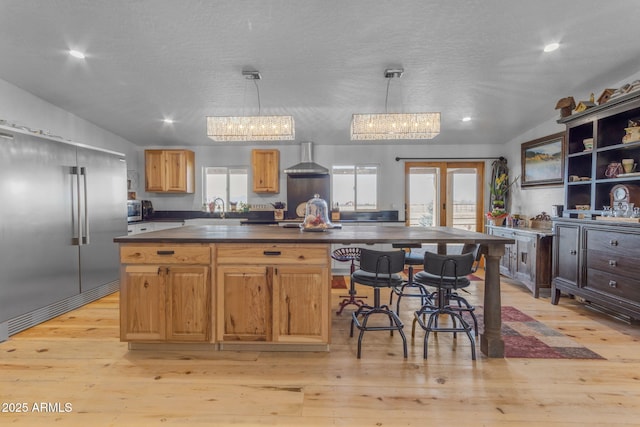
(266, 171)
(169, 171)
(597, 145)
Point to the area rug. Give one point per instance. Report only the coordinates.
(338, 282)
(525, 337)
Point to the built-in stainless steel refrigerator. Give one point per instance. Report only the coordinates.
(62, 204)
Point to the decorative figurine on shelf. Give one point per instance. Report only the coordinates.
(566, 106)
(585, 105)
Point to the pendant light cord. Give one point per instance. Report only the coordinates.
(386, 98)
(255, 82)
(244, 97)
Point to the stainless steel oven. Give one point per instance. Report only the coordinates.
(134, 210)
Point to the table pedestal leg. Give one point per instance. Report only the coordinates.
(491, 343)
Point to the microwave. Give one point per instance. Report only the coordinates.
(134, 210)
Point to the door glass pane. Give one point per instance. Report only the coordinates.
(424, 196)
(462, 198)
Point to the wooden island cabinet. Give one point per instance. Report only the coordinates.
(282, 297)
(233, 287)
(164, 292)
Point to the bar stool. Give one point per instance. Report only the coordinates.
(378, 269)
(409, 288)
(349, 255)
(447, 273)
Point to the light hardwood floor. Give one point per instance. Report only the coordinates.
(78, 359)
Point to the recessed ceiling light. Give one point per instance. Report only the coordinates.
(76, 54)
(466, 119)
(168, 121)
(551, 47)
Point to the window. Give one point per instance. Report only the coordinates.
(355, 187)
(227, 183)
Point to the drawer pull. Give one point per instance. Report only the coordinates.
(165, 252)
(573, 252)
(613, 242)
(613, 263)
(272, 253)
(613, 284)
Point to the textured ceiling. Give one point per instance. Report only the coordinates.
(320, 60)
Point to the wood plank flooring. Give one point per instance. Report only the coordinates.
(77, 360)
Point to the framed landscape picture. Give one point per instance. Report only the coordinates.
(543, 161)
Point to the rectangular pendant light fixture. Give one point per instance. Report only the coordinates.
(394, 125)
(251, 128)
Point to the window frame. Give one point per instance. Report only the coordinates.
(355, 167)
(227, 189)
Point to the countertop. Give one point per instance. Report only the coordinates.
(273, 234)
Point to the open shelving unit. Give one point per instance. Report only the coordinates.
(606, 124)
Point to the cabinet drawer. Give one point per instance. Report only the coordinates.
(613, 242)
(289, 254)
(613, 284)
(613, 264)
(165, 254)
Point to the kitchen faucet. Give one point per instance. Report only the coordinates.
(215, 204)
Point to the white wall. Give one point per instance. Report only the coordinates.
(391, 187)
(21, 107)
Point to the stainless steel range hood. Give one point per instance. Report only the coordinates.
(306, 165)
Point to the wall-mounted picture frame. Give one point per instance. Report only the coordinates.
(543, 161)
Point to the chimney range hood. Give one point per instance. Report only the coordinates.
(306, 165)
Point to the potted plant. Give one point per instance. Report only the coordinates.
(278, 210)
(497, 216)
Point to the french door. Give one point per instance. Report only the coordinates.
(444, 194)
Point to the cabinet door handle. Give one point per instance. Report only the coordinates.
(272, 253)
(613, 263)
(613, 242)
(165, 252)
(573, 252)
(613, 284)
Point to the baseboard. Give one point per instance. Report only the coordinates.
(33, 318)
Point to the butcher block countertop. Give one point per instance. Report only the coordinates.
(276, 234)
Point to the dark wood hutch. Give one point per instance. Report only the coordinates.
(595, 259)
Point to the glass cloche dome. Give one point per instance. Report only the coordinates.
(316, 216)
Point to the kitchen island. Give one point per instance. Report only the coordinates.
(261, 287)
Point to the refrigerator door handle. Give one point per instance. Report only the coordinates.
(75, 207)
(85, 236)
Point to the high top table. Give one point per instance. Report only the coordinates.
(491, 343)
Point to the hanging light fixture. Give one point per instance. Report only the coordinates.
(251, 128)
(394, 125)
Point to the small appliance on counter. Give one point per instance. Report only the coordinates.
(147, 210)
(134, 210)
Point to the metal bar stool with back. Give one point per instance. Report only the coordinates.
(378, 269)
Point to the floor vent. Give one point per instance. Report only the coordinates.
(33, 318)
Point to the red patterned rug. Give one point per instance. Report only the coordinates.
(525, 337)
(338, 282)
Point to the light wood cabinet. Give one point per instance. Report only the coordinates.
(265, 165)
(169, 171)
(273, 293)
(165, 293)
